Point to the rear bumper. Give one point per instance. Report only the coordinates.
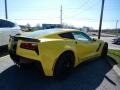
(23, 60)
(46, 61)
(44, 67)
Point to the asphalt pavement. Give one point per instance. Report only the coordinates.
(93, 75)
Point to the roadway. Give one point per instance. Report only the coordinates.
(109, 41)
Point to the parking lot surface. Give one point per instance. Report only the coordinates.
(97, 74)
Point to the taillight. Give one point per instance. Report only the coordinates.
(30, 46)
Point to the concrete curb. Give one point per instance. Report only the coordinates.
(113, 64)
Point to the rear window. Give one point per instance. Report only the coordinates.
(41, 33)
(4, 24)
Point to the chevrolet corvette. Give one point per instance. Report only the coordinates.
(55, 51)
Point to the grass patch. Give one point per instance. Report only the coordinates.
(115, 54)
(115, 33)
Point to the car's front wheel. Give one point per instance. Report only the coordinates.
(104, 50)
(64, 64)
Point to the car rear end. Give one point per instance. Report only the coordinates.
(24, 47)
(25, 50)
(40, 47)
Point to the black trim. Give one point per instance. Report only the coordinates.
(3, 47)
(98, 47)
(25, 38)
(15, 39)
(37, 64)
(68, 35)
(37, 51)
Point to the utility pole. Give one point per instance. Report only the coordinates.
(6, 13)
(116, 27)
(61, 15)
(116, 24)
(101, 17)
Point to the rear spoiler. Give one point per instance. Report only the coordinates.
(24, 38)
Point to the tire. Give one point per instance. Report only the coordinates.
(64, 64)
(104, 50)
(39, 68)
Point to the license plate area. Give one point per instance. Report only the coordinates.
(13, 44)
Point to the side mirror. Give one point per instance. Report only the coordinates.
(93, 39)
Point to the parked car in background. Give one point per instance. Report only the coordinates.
(116, 40)
(55, 51)
(7, 28)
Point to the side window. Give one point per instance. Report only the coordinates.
(81, 36)
(68, 35)
(4, 24)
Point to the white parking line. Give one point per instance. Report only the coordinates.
(5, 62)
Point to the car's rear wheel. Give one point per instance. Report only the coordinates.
(64, 64)
(104, 50)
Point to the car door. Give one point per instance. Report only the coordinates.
(86, 47)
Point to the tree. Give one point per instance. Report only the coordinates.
(38, 27)
(29, 27)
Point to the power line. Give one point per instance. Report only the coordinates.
(54, 9)
(116, 23)
(35, 18)
(81, 6)
(84, 4)
(46, 18)
(83, 10)
(116, 27)
(61, 10)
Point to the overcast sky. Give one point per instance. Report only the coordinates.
(75, 12)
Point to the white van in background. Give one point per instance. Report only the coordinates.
(7, 28)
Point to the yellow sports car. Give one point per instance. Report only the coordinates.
(55, 50)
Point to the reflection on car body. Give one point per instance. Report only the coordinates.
(56, 50)
(7, 28)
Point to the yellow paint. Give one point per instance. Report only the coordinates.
(52, 46)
